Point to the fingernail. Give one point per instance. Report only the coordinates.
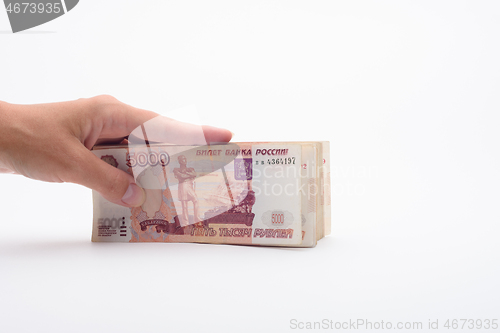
(134, 197)
(232, 134)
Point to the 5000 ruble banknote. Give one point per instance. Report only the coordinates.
(236, 193)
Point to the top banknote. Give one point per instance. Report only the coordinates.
(254, 193)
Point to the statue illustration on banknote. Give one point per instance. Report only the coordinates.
(186, 176)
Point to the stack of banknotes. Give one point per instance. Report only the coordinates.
(248, 193)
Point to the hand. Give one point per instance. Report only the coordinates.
(52, 142)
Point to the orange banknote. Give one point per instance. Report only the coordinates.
(260, 193)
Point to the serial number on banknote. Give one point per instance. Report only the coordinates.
(273, 161)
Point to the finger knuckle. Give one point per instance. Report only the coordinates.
(104, 105)
(104, 99)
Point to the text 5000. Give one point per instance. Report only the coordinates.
(151, 158)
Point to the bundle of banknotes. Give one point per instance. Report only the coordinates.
(248, 193)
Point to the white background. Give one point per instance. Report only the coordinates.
(406, 92)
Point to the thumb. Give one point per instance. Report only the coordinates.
(113, 184)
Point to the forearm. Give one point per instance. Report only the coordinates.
(31, 136)
(6, 120)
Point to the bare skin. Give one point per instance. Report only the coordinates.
(51, 142)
